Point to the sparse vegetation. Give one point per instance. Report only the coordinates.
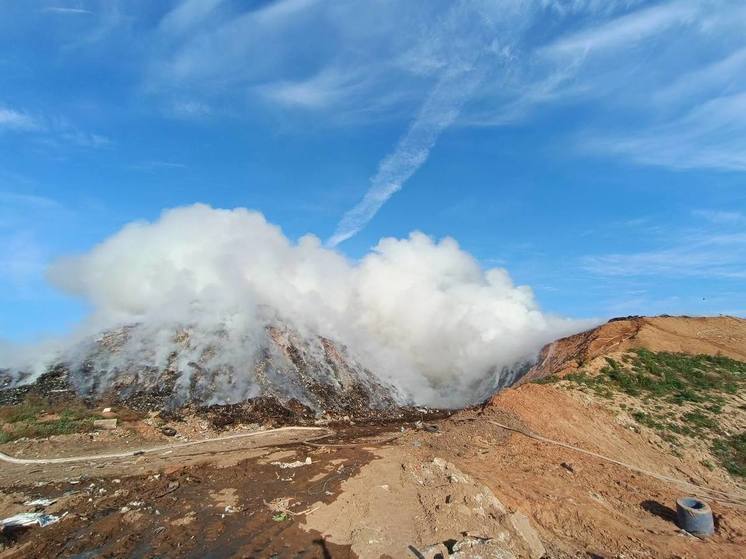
(731, 451)
(676, 395)
(38, 418)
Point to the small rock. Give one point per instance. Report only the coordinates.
(435, 551)
(168, 431)
(568, 467)
(108, 424)
(523, 528)
(472, 547)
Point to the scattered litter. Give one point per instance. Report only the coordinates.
(168, 431)
(136, 503)
(172, 486)
(40, 502)
(568, 467)
(296, 464)
(26, 519)
(230, 510)
(106, 410)
(281, 506)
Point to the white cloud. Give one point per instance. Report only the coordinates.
(55, 131)
(319, 91)
(626, 30)
(66, 11)
(708, 136)
(721, 217)
(707, 255)
(188, 15)
(282, 9)
(725, 74)
(15, 120)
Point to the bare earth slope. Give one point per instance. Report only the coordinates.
(593, 393)
(724, 335)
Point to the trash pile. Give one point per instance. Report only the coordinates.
(295, 378)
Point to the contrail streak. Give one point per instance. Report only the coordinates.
(474, 35)
(438, 112)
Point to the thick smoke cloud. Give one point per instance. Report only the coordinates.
(421, 314)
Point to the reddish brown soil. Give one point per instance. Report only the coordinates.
(181, 512)
(724, 335)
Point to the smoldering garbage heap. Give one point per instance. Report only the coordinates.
(291, 379)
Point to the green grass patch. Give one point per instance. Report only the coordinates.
(28, 419)
(731, 452)
(660, 382)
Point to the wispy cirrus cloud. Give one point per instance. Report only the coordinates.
(624, 31)
(708, 136)
(661, 82)
(50, 130)
(721, 217)
(64, 10)
(11, 119)
(708, 255)
(675, 71)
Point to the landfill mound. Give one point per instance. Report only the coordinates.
(291, 376)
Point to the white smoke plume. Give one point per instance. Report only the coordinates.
(421, 314)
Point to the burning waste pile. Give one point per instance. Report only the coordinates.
(214, 306)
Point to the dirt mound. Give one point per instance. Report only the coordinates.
(724, 335)
(658, 402)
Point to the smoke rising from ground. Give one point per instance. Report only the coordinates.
(421, 314)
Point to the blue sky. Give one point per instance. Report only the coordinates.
(595, 149)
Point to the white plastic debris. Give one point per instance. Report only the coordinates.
(40, 502)
(297, 464)
(26, 519)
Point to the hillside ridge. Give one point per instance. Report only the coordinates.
(721, 335)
